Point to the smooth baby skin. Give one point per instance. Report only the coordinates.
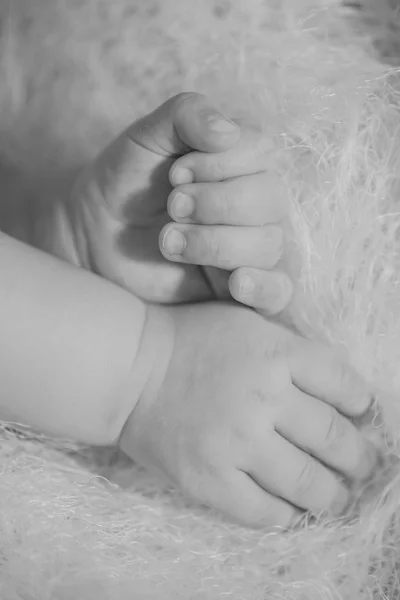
(239, 413)
(250, 419)
(239, 396)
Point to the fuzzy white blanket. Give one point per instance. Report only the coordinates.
(82, 523)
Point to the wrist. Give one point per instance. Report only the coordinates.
(148, 372)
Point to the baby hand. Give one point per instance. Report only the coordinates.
(251, 419)
(228, 209)
(119, 207)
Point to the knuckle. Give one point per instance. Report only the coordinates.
(248, 512)
(274, 206)
(214, 206)
(272, 239)
(305, 479)
(217, 167)
(223, 209)
(277, 238)
(213, 244)
(198, 471)
(342, 374)
(335, 432)
(273, 236)
(352, 391)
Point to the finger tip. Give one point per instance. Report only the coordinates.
(180, 174)
(161, 238)
(201, 126)
(232, 281)
(170, 208)
(240, 284)
(271, 294)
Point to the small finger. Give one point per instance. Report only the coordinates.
(319, 371)
(300, 479)
(252, 154)
(323, 432)
(223, 247)
(267, 291)
(250, 200)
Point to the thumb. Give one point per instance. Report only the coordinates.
(131, 174)
(186, 122)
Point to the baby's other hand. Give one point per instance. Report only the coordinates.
(228, 209)
(118, 206)
(251, 419)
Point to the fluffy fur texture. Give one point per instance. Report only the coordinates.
(81, 523)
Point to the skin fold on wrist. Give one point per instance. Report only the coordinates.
(150, 368)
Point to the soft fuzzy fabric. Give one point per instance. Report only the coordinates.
(80, 523)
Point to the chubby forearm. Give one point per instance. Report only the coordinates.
(75, 351)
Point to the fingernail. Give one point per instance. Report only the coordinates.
(180, 176)
(174, 242)
(246, 286)
(182, 206)
(220, 124)
(341, 502)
